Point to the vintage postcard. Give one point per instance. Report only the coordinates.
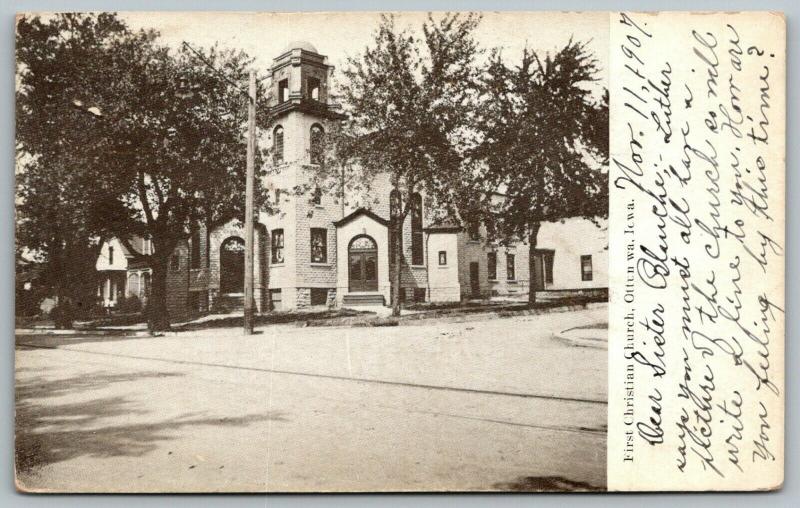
(399, 252)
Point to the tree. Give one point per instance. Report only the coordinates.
(55, 227)
(158, 133)
(545, 145)
(409, 102)
(54, 213)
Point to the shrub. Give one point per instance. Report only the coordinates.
(129, 305)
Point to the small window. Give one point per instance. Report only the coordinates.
(319, 245)
(586, 268)
(175, 262)
(277, 144)
(313, 88)
(110, 255)
(442, 257)
(277, 246)
(277, 197)
(491, 261)
(283, 90)
(510, 268)
(316, 197)
(475, 231)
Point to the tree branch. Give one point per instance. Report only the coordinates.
(142, 187)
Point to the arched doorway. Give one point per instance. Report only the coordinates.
(231, 265)
(363, 264)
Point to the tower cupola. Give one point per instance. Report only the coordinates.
(300, 78)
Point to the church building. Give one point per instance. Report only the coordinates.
(317, 251)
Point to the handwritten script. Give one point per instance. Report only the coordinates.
(697, 251)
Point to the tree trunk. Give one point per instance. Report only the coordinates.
(398, 267)
(63, 315)
(532, 240)
(157, 313)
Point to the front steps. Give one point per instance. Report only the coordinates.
(363, 300)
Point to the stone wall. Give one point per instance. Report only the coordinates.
(309, 215)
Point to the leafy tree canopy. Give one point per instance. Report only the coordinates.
(154, 137)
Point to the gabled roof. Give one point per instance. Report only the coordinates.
(358, 213)
(136, 241)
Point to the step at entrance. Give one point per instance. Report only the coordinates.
(358, 299)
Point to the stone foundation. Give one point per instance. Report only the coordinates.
(303, 297)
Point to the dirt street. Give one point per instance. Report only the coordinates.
(509, 403)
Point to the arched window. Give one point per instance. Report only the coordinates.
(394, 215)
(277, 144)
(283, 90)
(417, 248)
(317, 143)
(313, 88)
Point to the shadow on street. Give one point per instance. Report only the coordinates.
(47, 432)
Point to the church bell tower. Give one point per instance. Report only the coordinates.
(302, 264)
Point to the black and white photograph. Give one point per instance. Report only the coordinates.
(311, 252)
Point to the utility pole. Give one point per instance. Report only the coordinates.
(249, 205)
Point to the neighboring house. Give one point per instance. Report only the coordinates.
(316, 251)
(120, 275)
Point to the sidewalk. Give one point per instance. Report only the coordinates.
(361, 316)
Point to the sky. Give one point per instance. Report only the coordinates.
(340, 35)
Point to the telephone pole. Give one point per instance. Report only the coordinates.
(249, 205)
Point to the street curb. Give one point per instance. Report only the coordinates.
(93, 332)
